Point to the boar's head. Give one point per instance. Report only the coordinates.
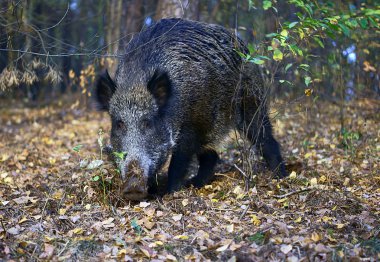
(140, 134)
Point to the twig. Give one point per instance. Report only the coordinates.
(63, 249)
(293, 193)
(244, 212)
(241, 171)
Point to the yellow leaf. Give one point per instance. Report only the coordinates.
(87, 207)
(71, 74)
(238, 190)
(22, 220)
(339, 226)
(181, 237)
(308, 92)
(315, 237)
(4, 157)
(9, 180)
(277, 240)
(185, 202)
(255, 220)
(48, 239)
(78, 230)
(313, 181)
(145, 252)
(284, 33)
(62, 211)
(298, 220)
(278, 55)
(301, 33)
(293, 175)
(326, 219)
(322, 179)
(121, 253)
(309, 154)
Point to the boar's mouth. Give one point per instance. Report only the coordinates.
(135, 187)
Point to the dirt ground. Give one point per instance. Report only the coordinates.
(59, 202)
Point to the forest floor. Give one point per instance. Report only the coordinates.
(57, 202)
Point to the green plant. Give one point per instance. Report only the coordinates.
(348, 140)
(136, 227)
(257, 238)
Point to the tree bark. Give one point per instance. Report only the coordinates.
(188, 9)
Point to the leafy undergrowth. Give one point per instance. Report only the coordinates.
(59, 202)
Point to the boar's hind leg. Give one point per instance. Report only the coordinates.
(207, 161)
(178, 169)
(260, 134)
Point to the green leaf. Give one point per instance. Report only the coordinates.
(304, 67)
(293, 24)
(257, 61)
(120, 155)
(345, 29)
(251, 48)
(258, 238)
(319, 42)
(288, 66)
(136, 227)
(295, 49)
(373, 22)
(263, 57)
(286, 82)
(363, 23)
(278, 55)
(251, 5)
(267, 4)
(96, 178)
(77, 148)
(307, 80)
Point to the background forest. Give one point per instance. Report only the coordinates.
(58, 192)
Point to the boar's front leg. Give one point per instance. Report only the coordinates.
(207, 160)
(178, 169)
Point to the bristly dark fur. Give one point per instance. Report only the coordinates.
(179, 89)
(103, 91)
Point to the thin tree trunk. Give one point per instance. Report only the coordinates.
(132, 18)
(188, 9)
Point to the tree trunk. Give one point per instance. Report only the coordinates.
(113, 29)
(188, 9)
(132, 18)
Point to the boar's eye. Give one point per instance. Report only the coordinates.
(146, 124)
(120, 124)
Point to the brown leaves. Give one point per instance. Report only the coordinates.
(329, 200)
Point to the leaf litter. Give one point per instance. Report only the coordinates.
(59, 198)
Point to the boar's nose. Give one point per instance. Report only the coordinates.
(135, 190)
(135, 187)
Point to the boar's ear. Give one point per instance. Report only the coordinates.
(105, 87)
(159, 87)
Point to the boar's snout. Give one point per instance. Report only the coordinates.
(135, 186)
